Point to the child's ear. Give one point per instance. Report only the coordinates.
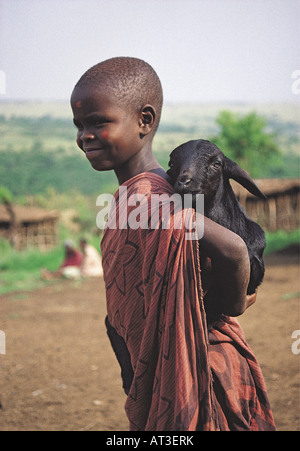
(147, 119)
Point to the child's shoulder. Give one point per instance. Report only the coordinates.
(148, 183)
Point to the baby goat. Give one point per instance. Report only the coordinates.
(200, 167)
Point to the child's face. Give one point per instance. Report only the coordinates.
(108, 134)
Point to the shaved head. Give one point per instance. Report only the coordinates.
(132, 82)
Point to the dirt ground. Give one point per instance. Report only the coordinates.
(59, 372)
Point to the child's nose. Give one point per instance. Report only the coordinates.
(87, 136)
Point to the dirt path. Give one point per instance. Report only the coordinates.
(59, 372)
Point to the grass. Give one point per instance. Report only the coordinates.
(28, 260)
(281, 239)
(20, 271)
(14, 281)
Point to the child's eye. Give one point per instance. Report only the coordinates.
(98, 121)
(99, 124)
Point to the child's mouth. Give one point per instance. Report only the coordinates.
(93, 153)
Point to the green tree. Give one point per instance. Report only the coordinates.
(246, 140)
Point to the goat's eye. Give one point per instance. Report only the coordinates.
(217, 164)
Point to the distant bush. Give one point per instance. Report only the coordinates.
(281, 239)
(34, 172)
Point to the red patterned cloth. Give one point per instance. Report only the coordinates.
(185, 378)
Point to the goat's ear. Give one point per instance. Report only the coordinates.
(233, 171)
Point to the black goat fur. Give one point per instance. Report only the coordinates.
(200, 167)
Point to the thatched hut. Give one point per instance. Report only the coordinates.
(33, 227)
(281, 210)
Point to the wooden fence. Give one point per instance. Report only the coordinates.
(33, 227)
(281, 209)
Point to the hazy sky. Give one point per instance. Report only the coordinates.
(203, 50)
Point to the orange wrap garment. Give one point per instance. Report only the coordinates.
(185, 378)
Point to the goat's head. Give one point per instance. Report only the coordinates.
(200, 167)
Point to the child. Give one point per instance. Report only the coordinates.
(70, 268)
(91, 265)
(178, 374)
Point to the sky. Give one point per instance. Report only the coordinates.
(203, 50)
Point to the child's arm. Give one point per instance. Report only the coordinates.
(230, 261)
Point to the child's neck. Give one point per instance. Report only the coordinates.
(144, 161)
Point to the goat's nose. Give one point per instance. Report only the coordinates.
(184, 181)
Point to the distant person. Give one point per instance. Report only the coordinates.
(91, 263)
(70, 268)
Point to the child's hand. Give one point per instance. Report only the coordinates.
(251, 299)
